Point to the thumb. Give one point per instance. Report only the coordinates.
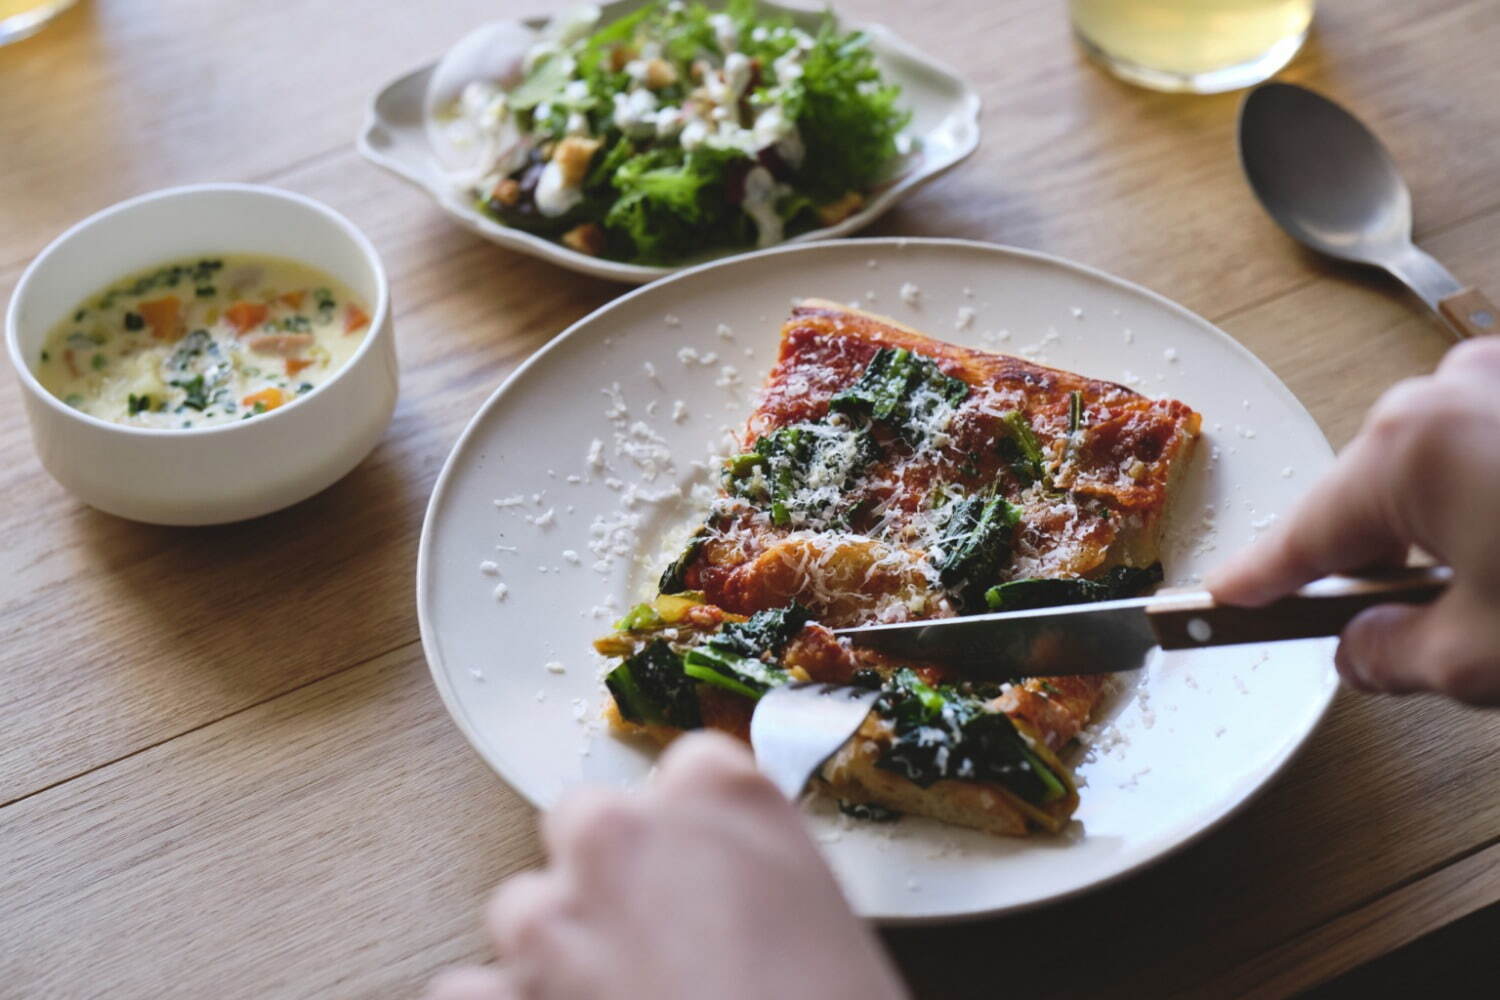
(1450, 647)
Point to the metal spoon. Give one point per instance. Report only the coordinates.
(1328, 181)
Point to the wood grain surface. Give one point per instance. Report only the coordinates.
(224, 770)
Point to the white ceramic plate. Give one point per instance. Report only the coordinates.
(1195, 736)
(945, 121)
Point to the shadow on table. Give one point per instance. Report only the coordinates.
(256, 607)
(1451, 962)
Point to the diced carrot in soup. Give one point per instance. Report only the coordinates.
(268, 399)
(292, 299)
(354, 318)
(295, 365)
(163, 316)
(246, 315)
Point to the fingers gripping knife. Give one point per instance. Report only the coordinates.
(1113, 636)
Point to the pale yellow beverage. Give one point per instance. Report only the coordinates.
(1203, 46)
(20, 18)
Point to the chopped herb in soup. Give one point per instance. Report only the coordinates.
(202, 342)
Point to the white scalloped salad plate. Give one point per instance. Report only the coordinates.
(568, 491)
(944, 125)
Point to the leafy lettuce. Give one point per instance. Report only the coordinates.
(657, 202)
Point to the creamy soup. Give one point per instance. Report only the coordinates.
(202, 342)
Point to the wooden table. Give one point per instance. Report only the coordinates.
(224, 771)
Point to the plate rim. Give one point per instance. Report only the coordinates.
(967, 108)
(441, 485)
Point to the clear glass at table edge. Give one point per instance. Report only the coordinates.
(23, 18)
(1192, 46)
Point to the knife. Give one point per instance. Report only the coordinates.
(1111, 636)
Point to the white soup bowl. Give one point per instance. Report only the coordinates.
(225, 472)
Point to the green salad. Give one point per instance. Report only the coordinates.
(679, 130)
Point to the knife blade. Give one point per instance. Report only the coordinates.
(1115, 636)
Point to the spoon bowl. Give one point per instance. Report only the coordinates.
(1324, 177)
(1328, 182)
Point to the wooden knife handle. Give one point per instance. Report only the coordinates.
(1322, 608)
(1470, 313)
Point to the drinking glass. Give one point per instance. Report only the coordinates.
(1199, 46)
(20, 18)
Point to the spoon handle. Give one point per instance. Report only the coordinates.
(1470, 313)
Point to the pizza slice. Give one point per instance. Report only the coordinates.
(886, 476)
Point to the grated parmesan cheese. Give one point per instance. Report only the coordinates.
(645, 449)
(617, 408)
(612, 538)
(1148, 715)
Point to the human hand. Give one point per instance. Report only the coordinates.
(703, 885)
(1424, 470)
